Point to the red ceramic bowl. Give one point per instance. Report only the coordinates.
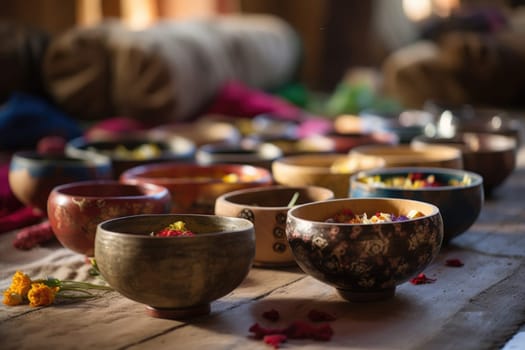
(194, 188)
(75, 209)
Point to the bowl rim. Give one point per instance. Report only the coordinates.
(409, 151)
(507, 142)
(34, 158)
(237, 153)
(245, 225)
(477, 179)
(177, 147)
(329, 158)
(434, 210)
(154, 191)
(226, 197)
(136, 174)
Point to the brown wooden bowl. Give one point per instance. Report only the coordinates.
(493, 156)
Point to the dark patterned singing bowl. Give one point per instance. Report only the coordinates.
(364, 262)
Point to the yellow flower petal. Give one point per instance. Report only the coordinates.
(12, 299)
(41, 295)
(21, 283)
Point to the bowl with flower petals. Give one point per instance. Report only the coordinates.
(194, 187)
(458, 194)
(127, 151)
(364, 247)
(175, 264)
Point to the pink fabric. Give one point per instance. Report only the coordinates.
(8, 202)
(20, 218)
(114, 127)
(13, 214)
(237, 99)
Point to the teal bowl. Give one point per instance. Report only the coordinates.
(460, 204)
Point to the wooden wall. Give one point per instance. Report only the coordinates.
(335, 34)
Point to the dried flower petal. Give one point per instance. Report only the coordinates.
(296, 330)
(260, 332)
(272, 315)
(320, 316)
(275, 340)
(422, 279)
(348, 217)
(176, 229)
(454, 262)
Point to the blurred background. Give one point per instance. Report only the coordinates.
(343, 56)
(336, 34)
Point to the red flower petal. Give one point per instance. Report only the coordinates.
(275, 340)
(454, 262)
(422, 279)
(260, 332)
(296, 330)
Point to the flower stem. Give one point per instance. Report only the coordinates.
(294, 199)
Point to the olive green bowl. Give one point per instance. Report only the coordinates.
(176, 277)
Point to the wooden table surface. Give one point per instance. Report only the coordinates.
(477, 306)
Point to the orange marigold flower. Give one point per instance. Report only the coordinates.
(11, 298)
(41, 295)
(20, 284)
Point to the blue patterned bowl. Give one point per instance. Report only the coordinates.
(460, 205)
(33, 175)
(364, 262)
